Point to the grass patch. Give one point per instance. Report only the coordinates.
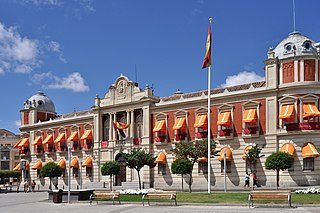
(226, 198)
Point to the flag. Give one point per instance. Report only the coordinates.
(119, 127)
(207, 59)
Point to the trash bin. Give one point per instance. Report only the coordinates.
(57, 196)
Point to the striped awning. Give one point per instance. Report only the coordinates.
(161, 159)
(287, 112)
(61, 138)
(37, 141)
(160, 126)
(74, 163)
(37, 165)
(62, 163)
(288, 148)
(24, 143)
(87, 162)
(87, 135)
(73, 136)
(201, 121)
(310, 110)
(309, 150)
(249, 116)
(224, 119)
(180, 123)
(228, 154)
(48, 140)
(246, 150)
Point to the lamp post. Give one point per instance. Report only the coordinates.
(80, 164)
(69, 169)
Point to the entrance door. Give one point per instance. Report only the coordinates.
(121, 176)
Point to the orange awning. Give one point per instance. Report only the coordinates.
(179, 123)
(224, 119)
(73, 136)
(288, 148)
(37, 141)
(201, 122)
(37, 165)
(246, 150)
(160, 126)
(228, 154)
(62, 163)
(87, 162)
(287, 111)
(16, 146)
(202, 160)
(309, 150)
(310, 110)
(161, 159)
(24, 142)
(49, 161)
(61, 138)
(17, 167)
(48, 140)
(87, 135)
(249, 116)
(74, 163)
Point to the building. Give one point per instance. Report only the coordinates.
(9, 157)
(278, 114)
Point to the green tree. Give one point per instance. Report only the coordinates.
(193, 150)
(137, 159)
(110, 168)
(252, 155)
(50, 170)
(181, 166)
(278, 161)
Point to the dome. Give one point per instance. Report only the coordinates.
(295, 44)
(41, 102)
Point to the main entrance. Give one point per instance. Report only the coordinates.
(121, 176)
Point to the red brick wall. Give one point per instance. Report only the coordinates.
(41, 116)
(309, 70)
(288, 72)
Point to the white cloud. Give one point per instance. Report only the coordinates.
(43, 2)
(242, 78)
(56, 47)
(73, 82)
(23, 69)
(17, 123)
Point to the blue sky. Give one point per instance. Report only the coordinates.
(75, 49)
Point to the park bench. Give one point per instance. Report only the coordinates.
(105, 195)
(160, 195)
(270, 195)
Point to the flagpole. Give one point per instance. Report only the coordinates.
(209, 128)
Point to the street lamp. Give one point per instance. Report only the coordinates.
(69, 169)
(80, 164)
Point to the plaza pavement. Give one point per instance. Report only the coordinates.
(38, 202)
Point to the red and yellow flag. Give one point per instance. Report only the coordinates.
(207, 59)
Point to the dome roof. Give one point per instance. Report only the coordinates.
(295, 44)
(41, 102)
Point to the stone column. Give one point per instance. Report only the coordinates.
(132, 124)
(301, 70)
(128, 122)
(317, 71)
(295, 70)
(280, 74)
(111, 128)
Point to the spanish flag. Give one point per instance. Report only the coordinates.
(207, 59)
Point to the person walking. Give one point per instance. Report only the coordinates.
(246, 181)
(33, 185)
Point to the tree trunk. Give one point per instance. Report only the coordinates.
(139, 179)
(182, 182)
(277, 178)
(110, 182)
(50, 187)
(190, 182)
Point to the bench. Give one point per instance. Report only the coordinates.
(270, 195)
(105, 195)
(161, 195)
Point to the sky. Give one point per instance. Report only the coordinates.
(74, 49)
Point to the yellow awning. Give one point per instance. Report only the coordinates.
(24, 143)
(73, 136)
(74, 163)
(87, 162)
(228, 154)
(202, 160)
(17, 167)
(16, 146)
(310, 110)
(49, 161)
(48, 140)
(249, 116)
(37, 141)
(61, 138)
(288, 148)
(224, 119)
(37, 165)
(309, 150)
(160, 126)
(161, 159)
(87, 135)
(246, 150)
(287, 111)
(180, 123)
(201, 121)
(62, 163)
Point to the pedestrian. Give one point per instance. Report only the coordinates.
(246, 180)
(255, 183)
(33, 185)
(26, 187)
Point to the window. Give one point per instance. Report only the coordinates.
(107, 129)
(160, 128)
(202, 168)
(5, 155)
(180, 126)
(308, 164)
(228, 163)
(161, 169)
(250, 119)
(75, 172)
(5, 165)
(63, 173)
(88, 171)
(38, 172)
(224, 122)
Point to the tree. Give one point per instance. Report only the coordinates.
(252, 155)
(137, 159)
(50, 170)
(110, 168)
(181, 166)
(193, 150)
(278, 161)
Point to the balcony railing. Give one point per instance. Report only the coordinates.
(61, 147)
(180, 136)
(160, 138)
(137, 141)
(302, 126)
(201, 135)
(38, 150)
(87, 145)
(251, 130)
(225, 132)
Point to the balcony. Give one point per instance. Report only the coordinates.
(302, 126)
(202, 135)
(87, 145)
(24, 152)
(61, 148)
(49, 149)
(180, 136)
(225, 132)
(160, 138)
(250, 131)
(137, 141)
(38, 150)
